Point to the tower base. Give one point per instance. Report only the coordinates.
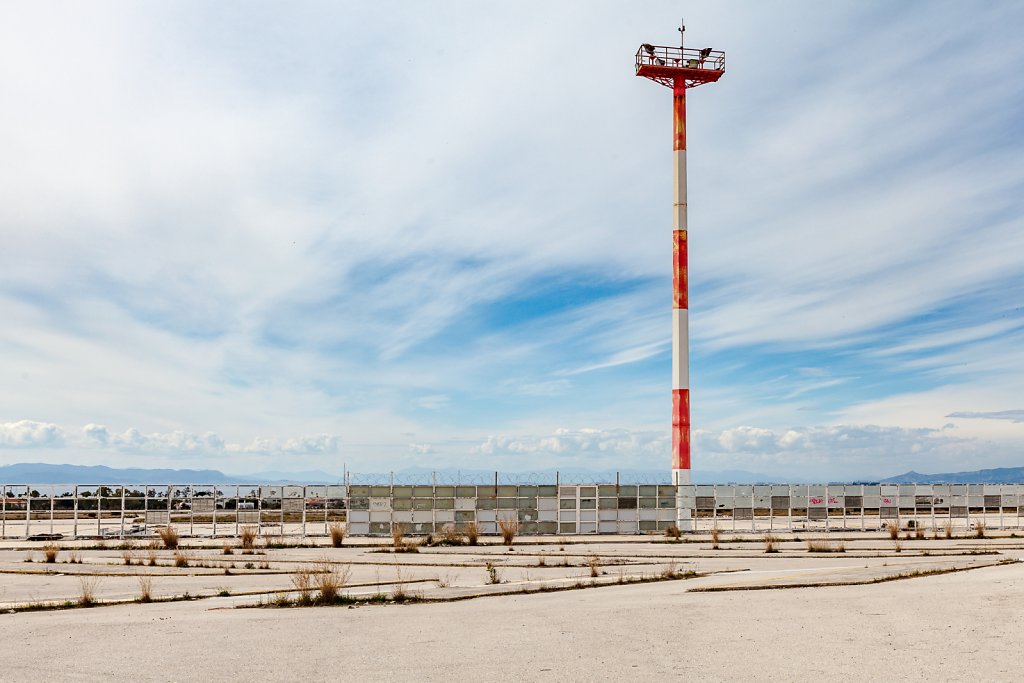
(684, 516)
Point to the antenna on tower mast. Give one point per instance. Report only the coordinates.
(682, 32)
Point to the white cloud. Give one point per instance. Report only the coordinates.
(838, 441)
(1011, 415)
(574, 442)
(133, 440)
(30, 434)
(433, 402)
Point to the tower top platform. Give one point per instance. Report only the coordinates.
(668, 65)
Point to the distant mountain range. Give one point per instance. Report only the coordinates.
(1002, 475)
(41, 473)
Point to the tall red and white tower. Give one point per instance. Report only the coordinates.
(680, 68)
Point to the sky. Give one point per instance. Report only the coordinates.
(374, 236)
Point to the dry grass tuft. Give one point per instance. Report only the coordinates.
(128, 556)
(228, 550)
(398, 593)
(769, 543)
(169, 536)
(337, 531)
(979, 529)
(673, 532)
(181, 559)
(87, 590)
(472, 531)
(509, 527)
(897, 545)
(492, 574)
(302, 580)
(247, 537)
(151, 556)
(145, 588)
(949, 529)
(919, 532)
(330, 579)
(716, 535)
(594, 563)
(398, 534)
(449, 535)
(821, 545)
(50, 552)
(894, 530)
(671, 570)
(74, 557)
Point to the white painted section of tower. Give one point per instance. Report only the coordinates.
(680, 348)
(680, 323)
(679, 191)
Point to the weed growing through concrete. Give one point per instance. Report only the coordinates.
(897, 545)
(337, 531)
(302, 581)
(74, 557)
(674, 533)
(949, 529)
(894, 530)
(716, 534)
(672, 571)
(472, 531)
(247, 537)
(228, 550)
(50, 552)
(330, 579)
(769, 543)
(541, 562)
(448, 535)
(87, 590)
(594, 563)
(509, 527)
(181, 558)
(979, 529)
(397, 534)
(399, 594)
(492, 574)
(169, 536)
(128, 556)
(819, 545)
(145, 588)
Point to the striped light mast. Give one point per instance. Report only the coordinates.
(680, 68)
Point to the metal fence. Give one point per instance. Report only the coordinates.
(371, 509)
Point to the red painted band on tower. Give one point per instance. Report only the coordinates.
(679, 111)
(680, 284)
(680, 429)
